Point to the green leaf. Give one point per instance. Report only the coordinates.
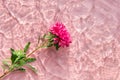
(49, 36)
(4, 67)
(29, 60)
(13, 66)
(12, 50)
(18, 55)
(13, 56)
(22, 62)
(44, 35)
(16, 66)
(32, 68)
(27, 47)
(19, 64)
(56, 46)
(49, 44)
(21, 69)
(5, 63)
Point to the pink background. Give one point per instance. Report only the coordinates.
(94, 26)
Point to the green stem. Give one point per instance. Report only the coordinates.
(33, 51)
(4, 74)
(37, 48)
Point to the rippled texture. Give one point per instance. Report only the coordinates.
(94, 53)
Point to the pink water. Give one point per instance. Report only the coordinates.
(95, 30)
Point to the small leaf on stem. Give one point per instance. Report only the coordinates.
(5, 63)
(56, 46)
(32, 68)
(27, 47)
(49, 44)
(13, 56)
(29, 60)
(38, 41)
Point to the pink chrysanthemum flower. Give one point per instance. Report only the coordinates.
(62, 38)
